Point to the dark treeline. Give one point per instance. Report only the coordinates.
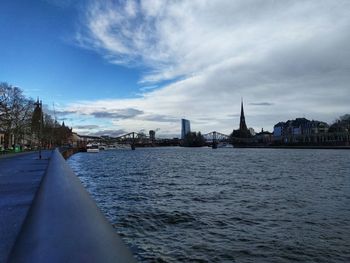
(23, 124)
(193, 139)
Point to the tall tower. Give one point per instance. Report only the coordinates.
(152, 135)
(242, 125)
(185, 128)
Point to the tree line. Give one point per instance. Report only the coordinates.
(193, 139)
(23, 122)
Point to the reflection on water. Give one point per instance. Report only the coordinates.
(224, 205)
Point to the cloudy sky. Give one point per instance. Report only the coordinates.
(108, 67)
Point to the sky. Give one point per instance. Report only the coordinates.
(111, 67)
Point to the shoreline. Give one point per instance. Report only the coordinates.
(297, 147)
(66, 153)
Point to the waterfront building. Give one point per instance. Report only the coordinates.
(85, 139)
(318, 127)
(341, 125)
(278, 130)
(263, 137)
(185, 128)
(252, 132)
(339, 132)
(76, 140)
(152, 135)
(297, 128)
(302, 131)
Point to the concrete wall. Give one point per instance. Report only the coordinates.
(65, 225)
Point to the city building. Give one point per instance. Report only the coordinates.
(342, 125)
(300, 130)
(152, 135)
(252, 132)
(185, 128)
(77, 141)
(263, 138)
(278, 130)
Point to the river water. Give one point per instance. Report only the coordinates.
(224, 205)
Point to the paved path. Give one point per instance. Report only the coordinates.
(20, 177)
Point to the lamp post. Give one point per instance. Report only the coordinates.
(39, 106)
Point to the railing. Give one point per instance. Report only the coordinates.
(65, 225)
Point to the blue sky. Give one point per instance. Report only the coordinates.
(40, 55)
(117, 66)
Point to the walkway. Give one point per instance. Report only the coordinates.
(20, 177)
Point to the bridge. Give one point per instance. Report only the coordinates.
(138, 139)
(134, 138)
(214, 138)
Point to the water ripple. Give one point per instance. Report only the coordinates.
(227, 205)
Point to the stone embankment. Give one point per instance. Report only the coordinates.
(47, 215)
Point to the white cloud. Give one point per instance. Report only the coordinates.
(292, 54)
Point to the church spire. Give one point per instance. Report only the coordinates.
(242, 124)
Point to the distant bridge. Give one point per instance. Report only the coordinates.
(214, 138)
(134, 138)
(140, 139)
(131, 138)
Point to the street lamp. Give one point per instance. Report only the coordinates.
(39, 106)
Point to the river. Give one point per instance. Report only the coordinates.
(224, 205)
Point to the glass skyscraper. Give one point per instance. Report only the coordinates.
(185, 127)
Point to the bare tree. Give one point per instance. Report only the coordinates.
(15, 112)
(19, 119)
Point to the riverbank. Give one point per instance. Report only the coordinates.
(68, 152)
(296, 147)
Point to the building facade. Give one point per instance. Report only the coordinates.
(185, 128)
(302, 131)
(263, 138)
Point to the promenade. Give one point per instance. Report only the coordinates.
(46, 215)
(20, 177)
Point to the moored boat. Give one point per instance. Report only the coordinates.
(92, 148)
